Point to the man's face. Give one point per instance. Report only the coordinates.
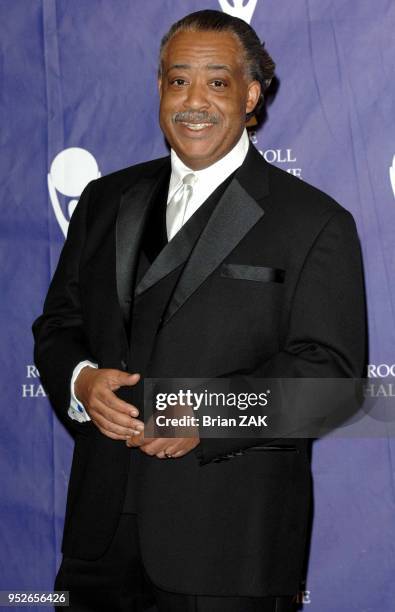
(204, 95)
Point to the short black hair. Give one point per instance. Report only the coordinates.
(260, 66)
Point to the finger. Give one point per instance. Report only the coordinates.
(108, 397)
(175, 452)
(161, 455)
(110, 434)
(135, 427)
(182, 446)
(118, 378)
(154, 446)
(135, 441)
(113, 415)
(109, 420)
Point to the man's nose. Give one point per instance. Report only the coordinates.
(196, 97)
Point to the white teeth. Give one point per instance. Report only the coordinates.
(197, 126)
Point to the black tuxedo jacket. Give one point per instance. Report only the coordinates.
(272, 288)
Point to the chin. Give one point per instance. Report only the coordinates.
(202, 157)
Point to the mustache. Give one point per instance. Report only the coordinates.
(195, 117)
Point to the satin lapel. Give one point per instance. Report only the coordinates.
(177, 251)
(133, 210)
(235, 214)
(173, 255)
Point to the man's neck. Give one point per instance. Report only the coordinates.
(236, 155)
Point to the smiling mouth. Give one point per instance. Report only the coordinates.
(196, 127)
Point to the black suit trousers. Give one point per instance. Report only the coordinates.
(117, 581)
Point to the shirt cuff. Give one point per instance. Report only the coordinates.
(76, 410)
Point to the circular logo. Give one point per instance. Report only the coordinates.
(71, 170)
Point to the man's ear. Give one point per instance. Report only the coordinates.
(253, 94)
(160, 86)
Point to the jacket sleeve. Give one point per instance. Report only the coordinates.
(326, 333)
(60, 342)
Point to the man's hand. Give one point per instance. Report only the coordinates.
(114, 417)
(169, 447)
(163, 448)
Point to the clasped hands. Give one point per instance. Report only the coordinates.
(117, 419)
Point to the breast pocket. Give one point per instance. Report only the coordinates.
(261, 274)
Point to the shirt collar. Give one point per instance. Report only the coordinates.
(214, 174)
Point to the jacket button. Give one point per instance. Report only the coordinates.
(124, 365)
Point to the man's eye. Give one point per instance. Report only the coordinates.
(217, 83)
(178, 82)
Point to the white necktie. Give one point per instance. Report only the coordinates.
(177, 207)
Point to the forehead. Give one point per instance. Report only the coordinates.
(203, 47)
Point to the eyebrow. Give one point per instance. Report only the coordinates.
(218, 67)
(209, 67)
(178, 66)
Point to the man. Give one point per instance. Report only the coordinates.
(210, 263)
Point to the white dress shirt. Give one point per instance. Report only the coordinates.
(207, 181)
